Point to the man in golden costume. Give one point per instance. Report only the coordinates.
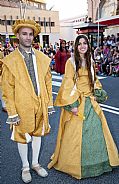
(27, 91)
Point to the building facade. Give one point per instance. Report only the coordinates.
(67, 27)
(10, 10)
(105, 12)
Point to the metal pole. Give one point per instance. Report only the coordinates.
(24, 10)
(21, 9)
(92, 10)
(98, 39)
(5, 23)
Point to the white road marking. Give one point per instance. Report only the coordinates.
(99, 77)
(55, 83)
(108, 110)
(54, 93)
(53, 72)
(56, 77)
(110, 107)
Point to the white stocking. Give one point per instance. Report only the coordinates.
(23, 152)
(36, 144)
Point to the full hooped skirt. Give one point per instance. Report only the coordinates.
(86, 158)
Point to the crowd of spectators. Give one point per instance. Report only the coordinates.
(106, 57)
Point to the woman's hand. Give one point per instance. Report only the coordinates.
(94, 98)
(75, 111)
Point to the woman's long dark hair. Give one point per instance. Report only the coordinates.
(87, 56)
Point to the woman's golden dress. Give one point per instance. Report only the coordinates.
(85, 147)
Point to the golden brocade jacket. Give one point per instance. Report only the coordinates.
(18, 90)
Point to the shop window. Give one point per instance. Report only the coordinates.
(47, 23)
(8, 22)
(52, 24)
(42, 23)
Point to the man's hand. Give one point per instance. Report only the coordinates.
(13, 120)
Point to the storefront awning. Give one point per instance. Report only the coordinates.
(109, 21)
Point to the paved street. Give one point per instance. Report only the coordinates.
(10, 161)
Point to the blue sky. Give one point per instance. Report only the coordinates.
(68, 8)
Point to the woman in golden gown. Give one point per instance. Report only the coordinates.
(84, 147)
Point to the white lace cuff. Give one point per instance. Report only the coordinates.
(13, 119)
